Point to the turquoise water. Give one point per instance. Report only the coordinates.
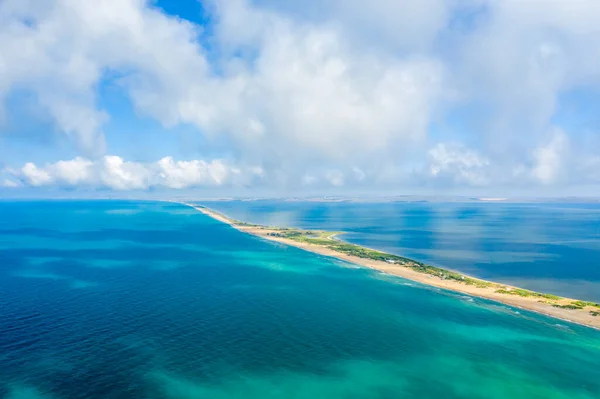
(154, 300)
(547, 247)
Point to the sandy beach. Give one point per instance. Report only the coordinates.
(580, 316)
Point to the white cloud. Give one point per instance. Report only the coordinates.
(35, 176)
(452, 163)
(335, 177)
(181, 174)
(328, 92)
(549, 159)
(60, 50)
(7, 183)
(307, 89)
(68, 173)
(113, 172)
(118, 174)
(556, 162)
(306, 92)
(521, 57)
(401, 24)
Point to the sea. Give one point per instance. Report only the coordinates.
(154, 300)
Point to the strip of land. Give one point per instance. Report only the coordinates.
(325, 243)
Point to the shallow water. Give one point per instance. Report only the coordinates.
(544, 247)
(155, 300)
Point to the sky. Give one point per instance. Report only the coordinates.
(299, 97)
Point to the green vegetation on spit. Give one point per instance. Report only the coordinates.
(578, 305)
(327, 239)
(527, 293)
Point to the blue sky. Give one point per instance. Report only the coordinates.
(263, 97)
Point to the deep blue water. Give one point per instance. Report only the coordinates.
(544, 247)
(145, 300)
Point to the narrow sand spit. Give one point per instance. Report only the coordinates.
(584, 316)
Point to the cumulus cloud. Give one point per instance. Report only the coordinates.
(519, 59)
(552, 163)
(307, 87)
(36, 177)
(7, 183)
(402, 25)
(550, 158)
(453, 163)
(60, 50)
(310, 92)
(306, 93)
(113, 172)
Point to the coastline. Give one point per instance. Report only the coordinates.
(585, 313)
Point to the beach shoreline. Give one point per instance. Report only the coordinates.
(557, 307)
